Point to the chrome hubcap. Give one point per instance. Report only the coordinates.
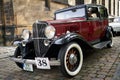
(72, 59)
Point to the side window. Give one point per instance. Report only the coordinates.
(93, 13)
(103, 13)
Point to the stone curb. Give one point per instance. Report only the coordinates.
(5, 52)
(2, 56)
(117, 73)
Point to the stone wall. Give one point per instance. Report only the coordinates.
(28, 11)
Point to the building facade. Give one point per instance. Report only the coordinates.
(28, 11)
(111, 5)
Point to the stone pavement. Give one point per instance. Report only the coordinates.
(117, 73)
(6, 51)
(98, 65)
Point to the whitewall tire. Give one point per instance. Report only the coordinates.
(71, 58)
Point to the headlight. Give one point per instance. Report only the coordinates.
(49, 32)
(25, 34)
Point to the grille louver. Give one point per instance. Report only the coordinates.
(39, 37)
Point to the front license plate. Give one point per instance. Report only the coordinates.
(42, 63)
(28, 67)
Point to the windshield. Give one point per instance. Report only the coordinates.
(71, 13)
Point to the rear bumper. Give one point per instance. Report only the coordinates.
(30, 61)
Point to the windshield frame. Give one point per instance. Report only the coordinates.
(70, 9)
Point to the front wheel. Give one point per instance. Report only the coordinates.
(18, 54)
(71, 58)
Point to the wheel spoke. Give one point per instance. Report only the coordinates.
(70, 67)
(74, 52)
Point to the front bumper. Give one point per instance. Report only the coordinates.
(29, 61)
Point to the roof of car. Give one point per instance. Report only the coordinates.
(77, 6)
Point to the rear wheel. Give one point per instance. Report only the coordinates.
(71, 59)
(109, 45)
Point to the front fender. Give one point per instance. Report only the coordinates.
(67, 38)
(70, 37)
(73, 37)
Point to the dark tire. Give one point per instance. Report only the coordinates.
(16, 55)
(109, 45)
(71, 59)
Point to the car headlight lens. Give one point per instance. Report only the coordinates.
(50, 32)
(25, 34)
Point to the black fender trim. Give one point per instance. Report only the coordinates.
(72, 37)
(108, 33)
(64, 39)
(67, 38)
(111, 29)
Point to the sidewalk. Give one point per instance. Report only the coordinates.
(6, 51)
(117, 73)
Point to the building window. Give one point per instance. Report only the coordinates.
(94, 1)
(109, 6)
(79, 2)
(47, 5)
(114, 7)
(61, 1)
(103, 2)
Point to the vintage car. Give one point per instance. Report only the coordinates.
(115, 25)
(62, 41)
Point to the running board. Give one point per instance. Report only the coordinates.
(101, 45)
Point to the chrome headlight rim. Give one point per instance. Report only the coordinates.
(25, 34)
(50, 32)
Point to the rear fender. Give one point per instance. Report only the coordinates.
(108, 33)
(111, 29)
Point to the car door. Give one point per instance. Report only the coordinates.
(103, 20)
(94, 25)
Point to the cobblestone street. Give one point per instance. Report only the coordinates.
(98, 65)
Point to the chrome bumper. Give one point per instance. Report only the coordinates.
(29, 61)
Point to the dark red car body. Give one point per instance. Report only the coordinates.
(90, 29)
(71, 32)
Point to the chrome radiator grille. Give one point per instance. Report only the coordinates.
(38, 30)
(39, 37)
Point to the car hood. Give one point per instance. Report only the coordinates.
(66, 20)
